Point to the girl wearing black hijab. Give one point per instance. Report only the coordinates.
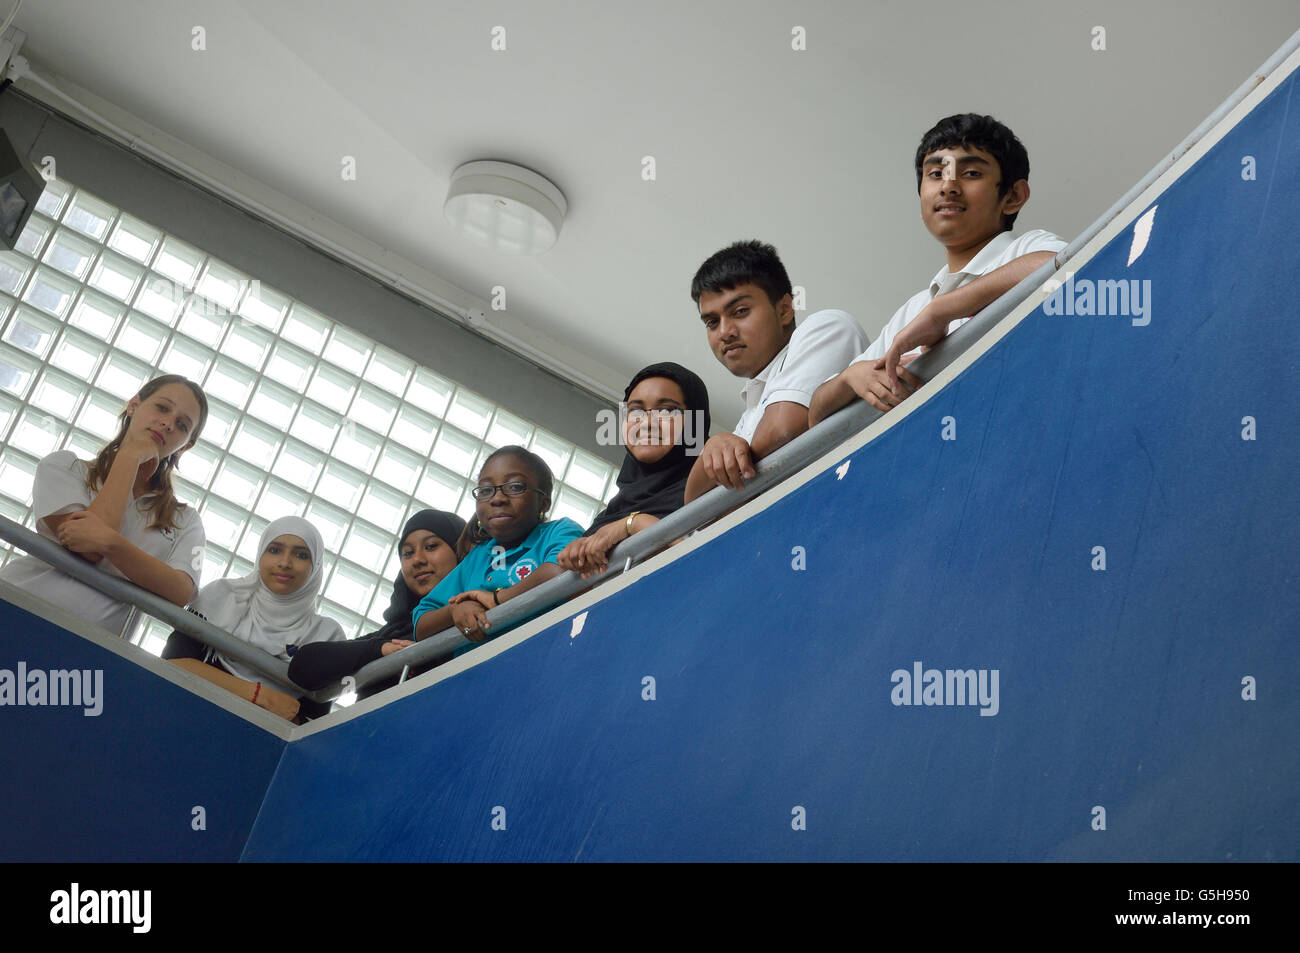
(665, 423)
(427, 548)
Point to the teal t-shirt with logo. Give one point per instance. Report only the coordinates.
(488, 566)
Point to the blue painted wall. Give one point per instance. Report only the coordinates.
(121, 785)
(1120, 689)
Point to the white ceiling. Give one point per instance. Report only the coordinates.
(809, 150)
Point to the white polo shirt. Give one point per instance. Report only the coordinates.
(823, 344)
(1003, 249)
(60, 487)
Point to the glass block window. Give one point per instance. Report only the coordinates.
(308, 416)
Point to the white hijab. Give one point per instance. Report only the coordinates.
(248, 610)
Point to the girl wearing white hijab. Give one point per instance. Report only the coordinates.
(274, 606)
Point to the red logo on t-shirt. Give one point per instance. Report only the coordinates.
(523, 571)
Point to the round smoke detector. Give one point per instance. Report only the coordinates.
(505, 207)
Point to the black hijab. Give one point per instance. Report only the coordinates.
(658, 488)
(397, 617)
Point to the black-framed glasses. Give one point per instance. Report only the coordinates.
(489, 490)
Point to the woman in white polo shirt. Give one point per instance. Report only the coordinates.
(119, 512)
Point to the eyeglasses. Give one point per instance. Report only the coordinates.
(639, 416)
(489, 490)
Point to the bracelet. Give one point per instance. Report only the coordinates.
(496, 597)
(628, 524)
(256, 689)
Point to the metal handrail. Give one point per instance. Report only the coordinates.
(123, 590)
(786, 461)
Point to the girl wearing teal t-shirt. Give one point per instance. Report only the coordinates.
(514, 547)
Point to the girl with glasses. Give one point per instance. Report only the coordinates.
(666, 421)
(514, 547)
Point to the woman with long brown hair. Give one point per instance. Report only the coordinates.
(120, 511)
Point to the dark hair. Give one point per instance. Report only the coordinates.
(751, 262)
(164, 504)
(969, 130)
(474, 532)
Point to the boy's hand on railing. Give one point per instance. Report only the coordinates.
(925, 330)
(727, 461)
(870, 381)
(87, 535)
(393, 645)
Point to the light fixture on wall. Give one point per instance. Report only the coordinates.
(505, 207)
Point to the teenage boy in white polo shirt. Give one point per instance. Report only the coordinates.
(746, 304)
(972, 174)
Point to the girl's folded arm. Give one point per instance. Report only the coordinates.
(174, 585)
